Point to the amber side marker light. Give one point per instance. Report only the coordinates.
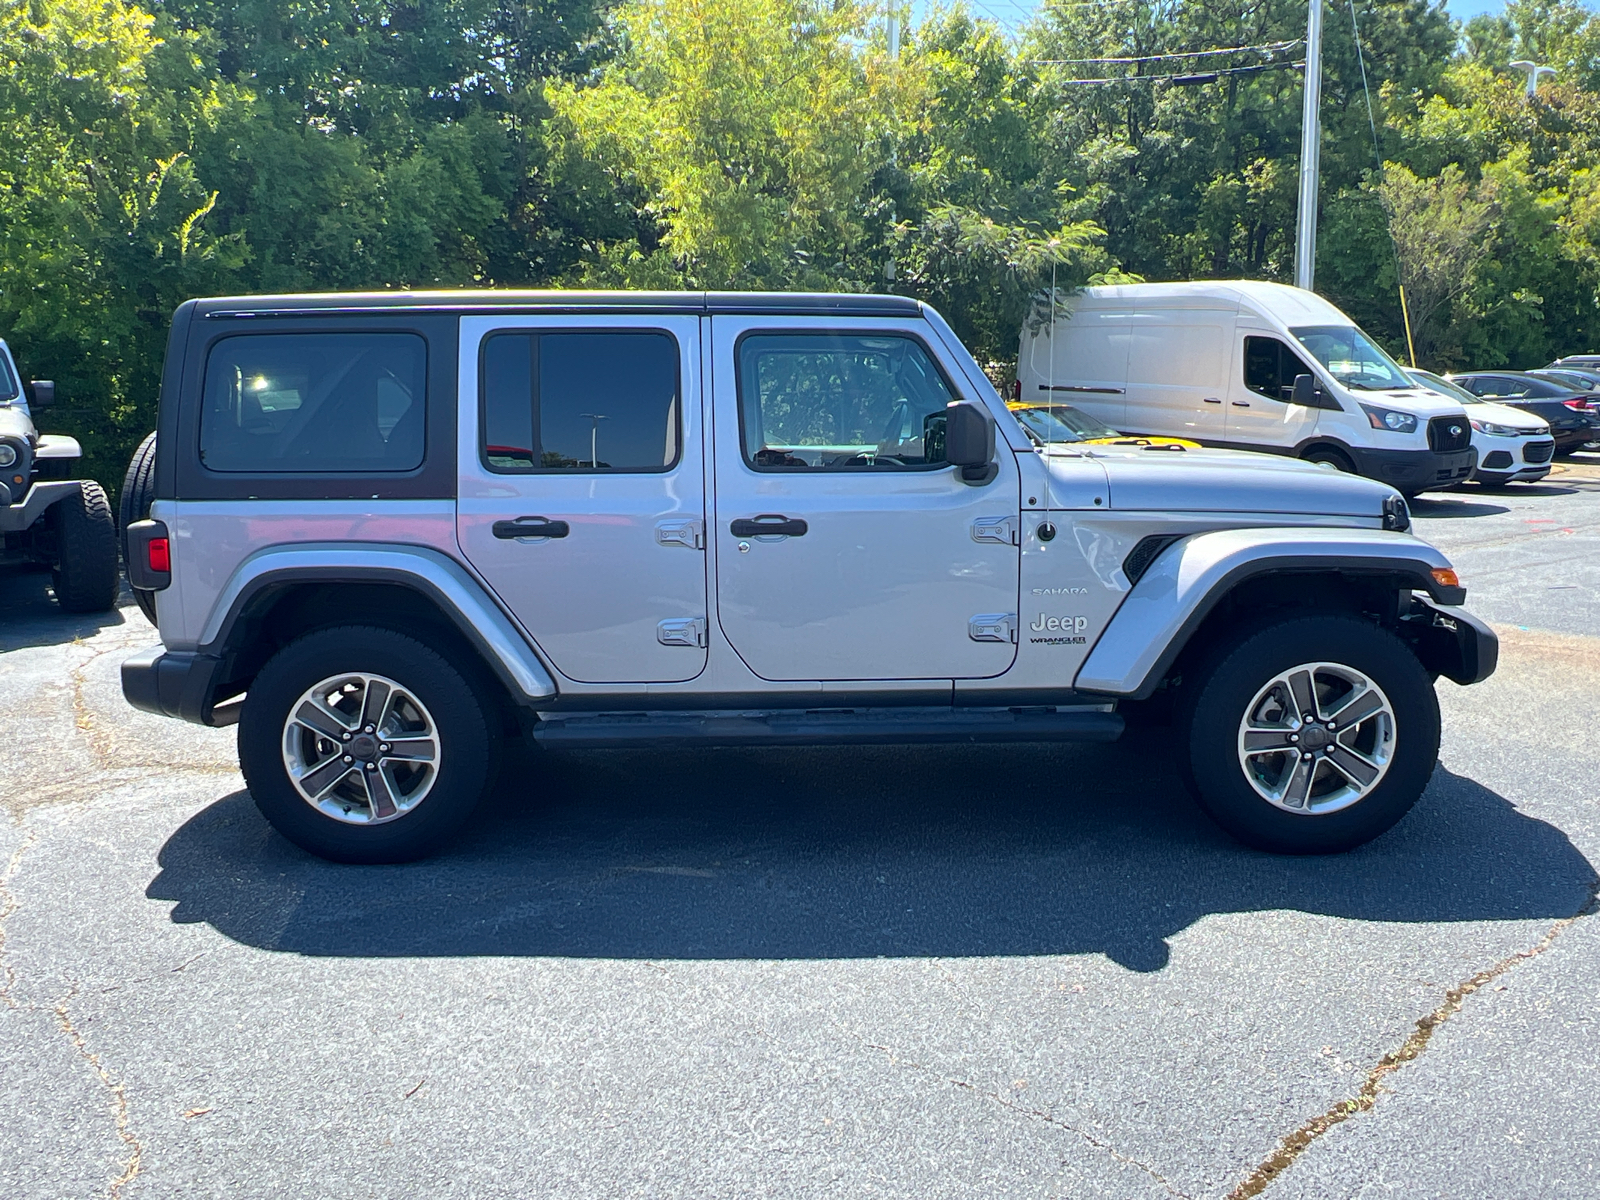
(1445, 577)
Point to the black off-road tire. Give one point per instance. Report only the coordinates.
(1224, 688)
(138, 492)
(85, 570)
(468, 743)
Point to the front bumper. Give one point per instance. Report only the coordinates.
(176, 683)
(1452, 642)
(16, 517)
(1413, 471)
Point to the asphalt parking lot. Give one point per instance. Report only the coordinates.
(994, 971)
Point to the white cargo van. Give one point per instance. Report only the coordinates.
(1246, 365)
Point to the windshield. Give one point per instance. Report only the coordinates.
(1060, 423)
(8, 377)
(1444, 387)
(1352, 357)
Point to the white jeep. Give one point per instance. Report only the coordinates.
(389, 529)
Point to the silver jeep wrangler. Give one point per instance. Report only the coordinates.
(388, 530)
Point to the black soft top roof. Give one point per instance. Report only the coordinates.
(508, 300)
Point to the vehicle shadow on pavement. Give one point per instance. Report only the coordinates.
(1424, 506)
(960, 851)
(29, 616)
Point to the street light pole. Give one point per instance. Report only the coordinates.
(594, 437)
(1535, 73)
(1305, 244)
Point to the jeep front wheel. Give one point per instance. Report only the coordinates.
(85, 567)
(363, 745)
(1312, 736)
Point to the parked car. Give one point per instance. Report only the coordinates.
(46, 516)
(1513, 446)
(1062, 424)
(389, 527)
(1567, 411)
(1579, 380)
(1579, 362)
(1248, 365)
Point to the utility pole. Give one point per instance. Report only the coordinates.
(1305, 242)
(1535, 73)
(594, 437)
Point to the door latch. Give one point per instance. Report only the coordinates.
(993, 627)
(1000, 530)
(690, 532)
(682, 631)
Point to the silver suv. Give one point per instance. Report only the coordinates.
(388, 530)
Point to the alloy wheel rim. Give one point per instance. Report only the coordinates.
(1317, 738)
(361, 748)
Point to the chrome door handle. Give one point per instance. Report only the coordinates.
(1241, 404)
(768, 524)
(1211, 400)
(531, 527)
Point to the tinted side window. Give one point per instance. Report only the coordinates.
(840, 401)
(314, 402)
(601, 401)
(1270, 367)
(1499, 386)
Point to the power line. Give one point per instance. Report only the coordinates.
(1265, 48)
(1185, 79)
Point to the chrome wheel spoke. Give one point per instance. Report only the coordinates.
(315, 715)
(417, 749)
(1359, 770)
(1303, 691)
(1267, 741)
(1298, 790)
(1357, 708)
(380, 795)
(318, 782)
(375, 704)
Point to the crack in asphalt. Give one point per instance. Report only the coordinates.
(1296, 1143)
(1038, 1114)
(8, 978)
(119, 1096)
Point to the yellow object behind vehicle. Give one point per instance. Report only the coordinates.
(1053, 424)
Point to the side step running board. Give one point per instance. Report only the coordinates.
(841, 727)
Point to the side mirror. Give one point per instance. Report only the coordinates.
(969, 442)
(1306, 393)
(44, 392)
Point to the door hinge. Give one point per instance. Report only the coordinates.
(993, 627)
(690, 532)
(682, 631)
(1001, 530)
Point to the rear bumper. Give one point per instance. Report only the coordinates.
(173, 683)
(1452, 642)
(1416, 470)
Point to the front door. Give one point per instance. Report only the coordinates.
(846, 548)
(582, 488)
(1260, 412)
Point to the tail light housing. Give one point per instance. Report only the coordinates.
(149, 554)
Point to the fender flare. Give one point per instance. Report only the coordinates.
(1190, 577)
(442, 580)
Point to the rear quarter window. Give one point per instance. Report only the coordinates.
(314, 403)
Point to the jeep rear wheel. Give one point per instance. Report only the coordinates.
(85, 567)
(138, 493)
(363, 745)
(1312, 736)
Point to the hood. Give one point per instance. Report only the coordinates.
(15, 423)
(1424, 402)
(1502, 414)
(1232, 481)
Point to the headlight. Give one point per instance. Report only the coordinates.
(1387, 418)
(8, 454)
(1494, 430)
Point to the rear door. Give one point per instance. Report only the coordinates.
(582, 487)
(1178, 373)
(881, 563)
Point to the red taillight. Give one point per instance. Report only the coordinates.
(1578, 403)
(159, 555)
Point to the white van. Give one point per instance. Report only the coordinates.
(1246, 365)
